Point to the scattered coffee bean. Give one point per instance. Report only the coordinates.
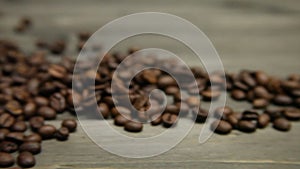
(3, 133)
(292, 114)
(69, 124)
(26, 159)
(32, 147)
(33, 138)
(247, 126)
(47, 131)
(221, 127)
(19, 126)
(36, 122)
(6, 159)
(8, 146)
(263, 120)
(132, 126)
(121, 120)
(62, 134)
(282, 124)
(169, 119)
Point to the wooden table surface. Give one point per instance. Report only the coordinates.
(247, 35)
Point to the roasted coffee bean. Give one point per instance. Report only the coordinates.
(221, 127)
(3, 133)
(274, 113)
(57, 47)
(62, 134)
(19, 126)
(223, 112)
(70, 124)
(41, 101)
(166, 81)
(133, 126)
(282, 124)
(263, 120)
(33, 138)
(233, 120)
(247, 126)
(282, 100)
(58, 102)
(14, 107)
(47, 112)
(260, 103)
(292, 114)
(8, 146)
(261, 78)
(209, 95)
(248, 80)
(238, 94)
(6, 160)
(169, 119)
(172, 109)
(36, 122)
(193, 101)
(29, 109)
(156, 119)
(26, 160)
(121, 120)
(172, 90)
(120, 110)
(250, 115)
(184, 108)
(47, 131)
(32, 147)
(104, 110)
(201, 114)
(6, 120)
(16, 137)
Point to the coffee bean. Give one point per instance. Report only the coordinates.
(169, 119)
(250, 115)
(172, 90)
(260, 103)
(261, 77)
(238, 94)
(3, 133)
(274, 113)
(292, 114)
(156, 119)
(115, 111)
(62, 134)
(29, 109)
(84, 36)
(166, 81)
(247, 126)
(8, 146)
(121, 120)
(221, 127)
(172, 109)
(193, 101)
(282, 100)
(263, 120)
(6, 160)
(32, 147)
(47, 112)
(132, 126)
(58, 102)
(33, 138)
(36, 122)
(19, 126)
(6, 120)
(104, 110)
(70, 124)
(282, 124)
(26, 159)
(209, 95)
(41, 101)
(14, 107)
(233, 120)
(16, 137)
(223, 112)
(201, 114)
(47, 131)
(57, 47)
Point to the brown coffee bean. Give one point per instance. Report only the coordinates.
(274, 113)
(41, 101)
(132, 126)
(62, 134)
(32, 147)
(29, 109)
(47, 131)
(201, 114)
(6, 120)
(8, 146)
(58, 102)
(121, 120)
(282, 124)
(169, 119)
(120, 110)
(156, 119)
(250, 115)
(247, 126)
(16, 137)
(223, 112)
(19, 126)
(57, 47)
(26, 159)
(260, 103)
(47, 112)
(292, 114)
(14, 107)
(261, 78)
(263, 120)
(248, 80)
(221, 127)
(282, 100)
(104, 110)
(172, 109)
(3, 133)
(84, 36)
(36, 122)
(209, 95)
(33, 138)
(70, 124)
(6, 160)
(150, 77)
(233, 120)
(172, 90)
(238, 94)
(166, 81)
(193, 101)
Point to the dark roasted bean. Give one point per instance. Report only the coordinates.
(247, 126)
(47, 131)
(62, 134)
(71, 124)
(263, 120)
(6, 160)
(8, 146)
(132, 126)
(221, 127)
(169, 119)
(26, 159)
(32, 147)
(282, 124)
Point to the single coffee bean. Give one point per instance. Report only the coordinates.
(208, 95)
(19, 126)
(169, 119)
(16, 137)
(221, 127)
(250, 115)
(292, 114)
(6, 120)
(3, 133)
(260, 103)
(263, 120)
(32, 147)
(282, 100)
(41, 101)
(70, 124)
(36, 122)
(47, 131)
(223, 112)
(33, 138)
(121, 120)
(29, 109)
(261, 78)
(104, 110)
(166, 81)
(171, 108)
(262, 92)
(193, 101)
(156, 119)
(247, 126)
(132, 126)
(238, 94)
(201, 114)
(8, 146)
(14, 107)
(172, 90)
(47, 112)
(282, 124)
(240, 86)
(62, 134)
(248, 80)
(26, 160)
(6, 160)
(233, 120)
(115, 111)
(58, 102)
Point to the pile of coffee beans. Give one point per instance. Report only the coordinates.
(32, 92)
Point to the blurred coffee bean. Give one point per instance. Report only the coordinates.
(6, 160)
(8, 146)
(283, 100)
(62, 134)
(3, 133)
(19, 126)
(26, 160)
(208, 95)
(193, 101)
(250, 115)
(16, 137)
(33, 138)
(70, 124)
(6, 120)
(29, 109)
(14, 107)
(47, 131)
(238, 94)
(32, 147)
(274, 113)
(292, 114)
(221, 127)
(260, 103)
(121, 120)
(132, 126)
(47, 112)
(282, 124)
(36, 122)
(263, 120)
(247, 126)
(223, 112)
